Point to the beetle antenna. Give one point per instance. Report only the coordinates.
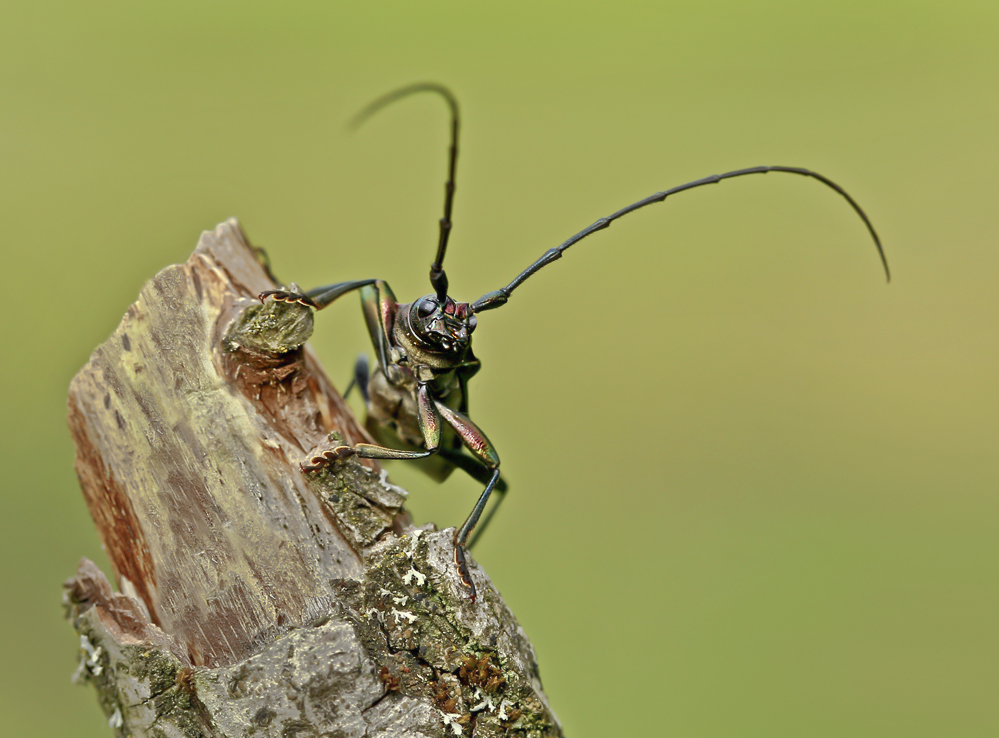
(493, 300)
(438, 278)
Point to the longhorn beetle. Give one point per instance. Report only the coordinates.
(417, 395)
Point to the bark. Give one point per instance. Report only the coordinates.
(256, 599)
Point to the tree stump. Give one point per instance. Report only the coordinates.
(256, 599)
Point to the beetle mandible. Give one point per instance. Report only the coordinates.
(417, 394)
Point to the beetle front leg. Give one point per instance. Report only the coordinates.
(319, 297)
(378, 302)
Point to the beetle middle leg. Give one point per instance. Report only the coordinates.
(430, 427)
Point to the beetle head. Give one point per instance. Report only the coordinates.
(446, 326)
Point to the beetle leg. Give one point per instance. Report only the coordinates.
(476, 442)
(474, 468)
(324, 296)
(379, 304)
(465, 372)
(377, 300)
(430, 426)
(319, 297)
(500, 489)
(478, 471)
(471, 464)
(362, 375)
(321, 457)
(461, 536)
(285, 296)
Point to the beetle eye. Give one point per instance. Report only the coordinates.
(471, 323)
(426, 307)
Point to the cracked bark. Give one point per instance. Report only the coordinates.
(255, 599)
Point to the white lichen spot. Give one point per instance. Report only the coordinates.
(485, 704)
(384, 592)
(94, 663)
(451, 721)
(414, 575)
(413, 543)
(503, 714)
(371, 613)
(86, 646)
(392, 487)
(90, 659)
(401, 600)
(116, 720)
(404, 615)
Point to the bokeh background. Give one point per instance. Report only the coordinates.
(754, 489)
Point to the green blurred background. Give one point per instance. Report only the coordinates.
(754, 489)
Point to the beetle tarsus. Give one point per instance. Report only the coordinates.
(324, 458)
(289, 297)
(464, 575)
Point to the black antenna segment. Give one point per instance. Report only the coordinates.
(438, 278)
(493, 300)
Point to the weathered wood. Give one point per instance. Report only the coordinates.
(257, 599)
